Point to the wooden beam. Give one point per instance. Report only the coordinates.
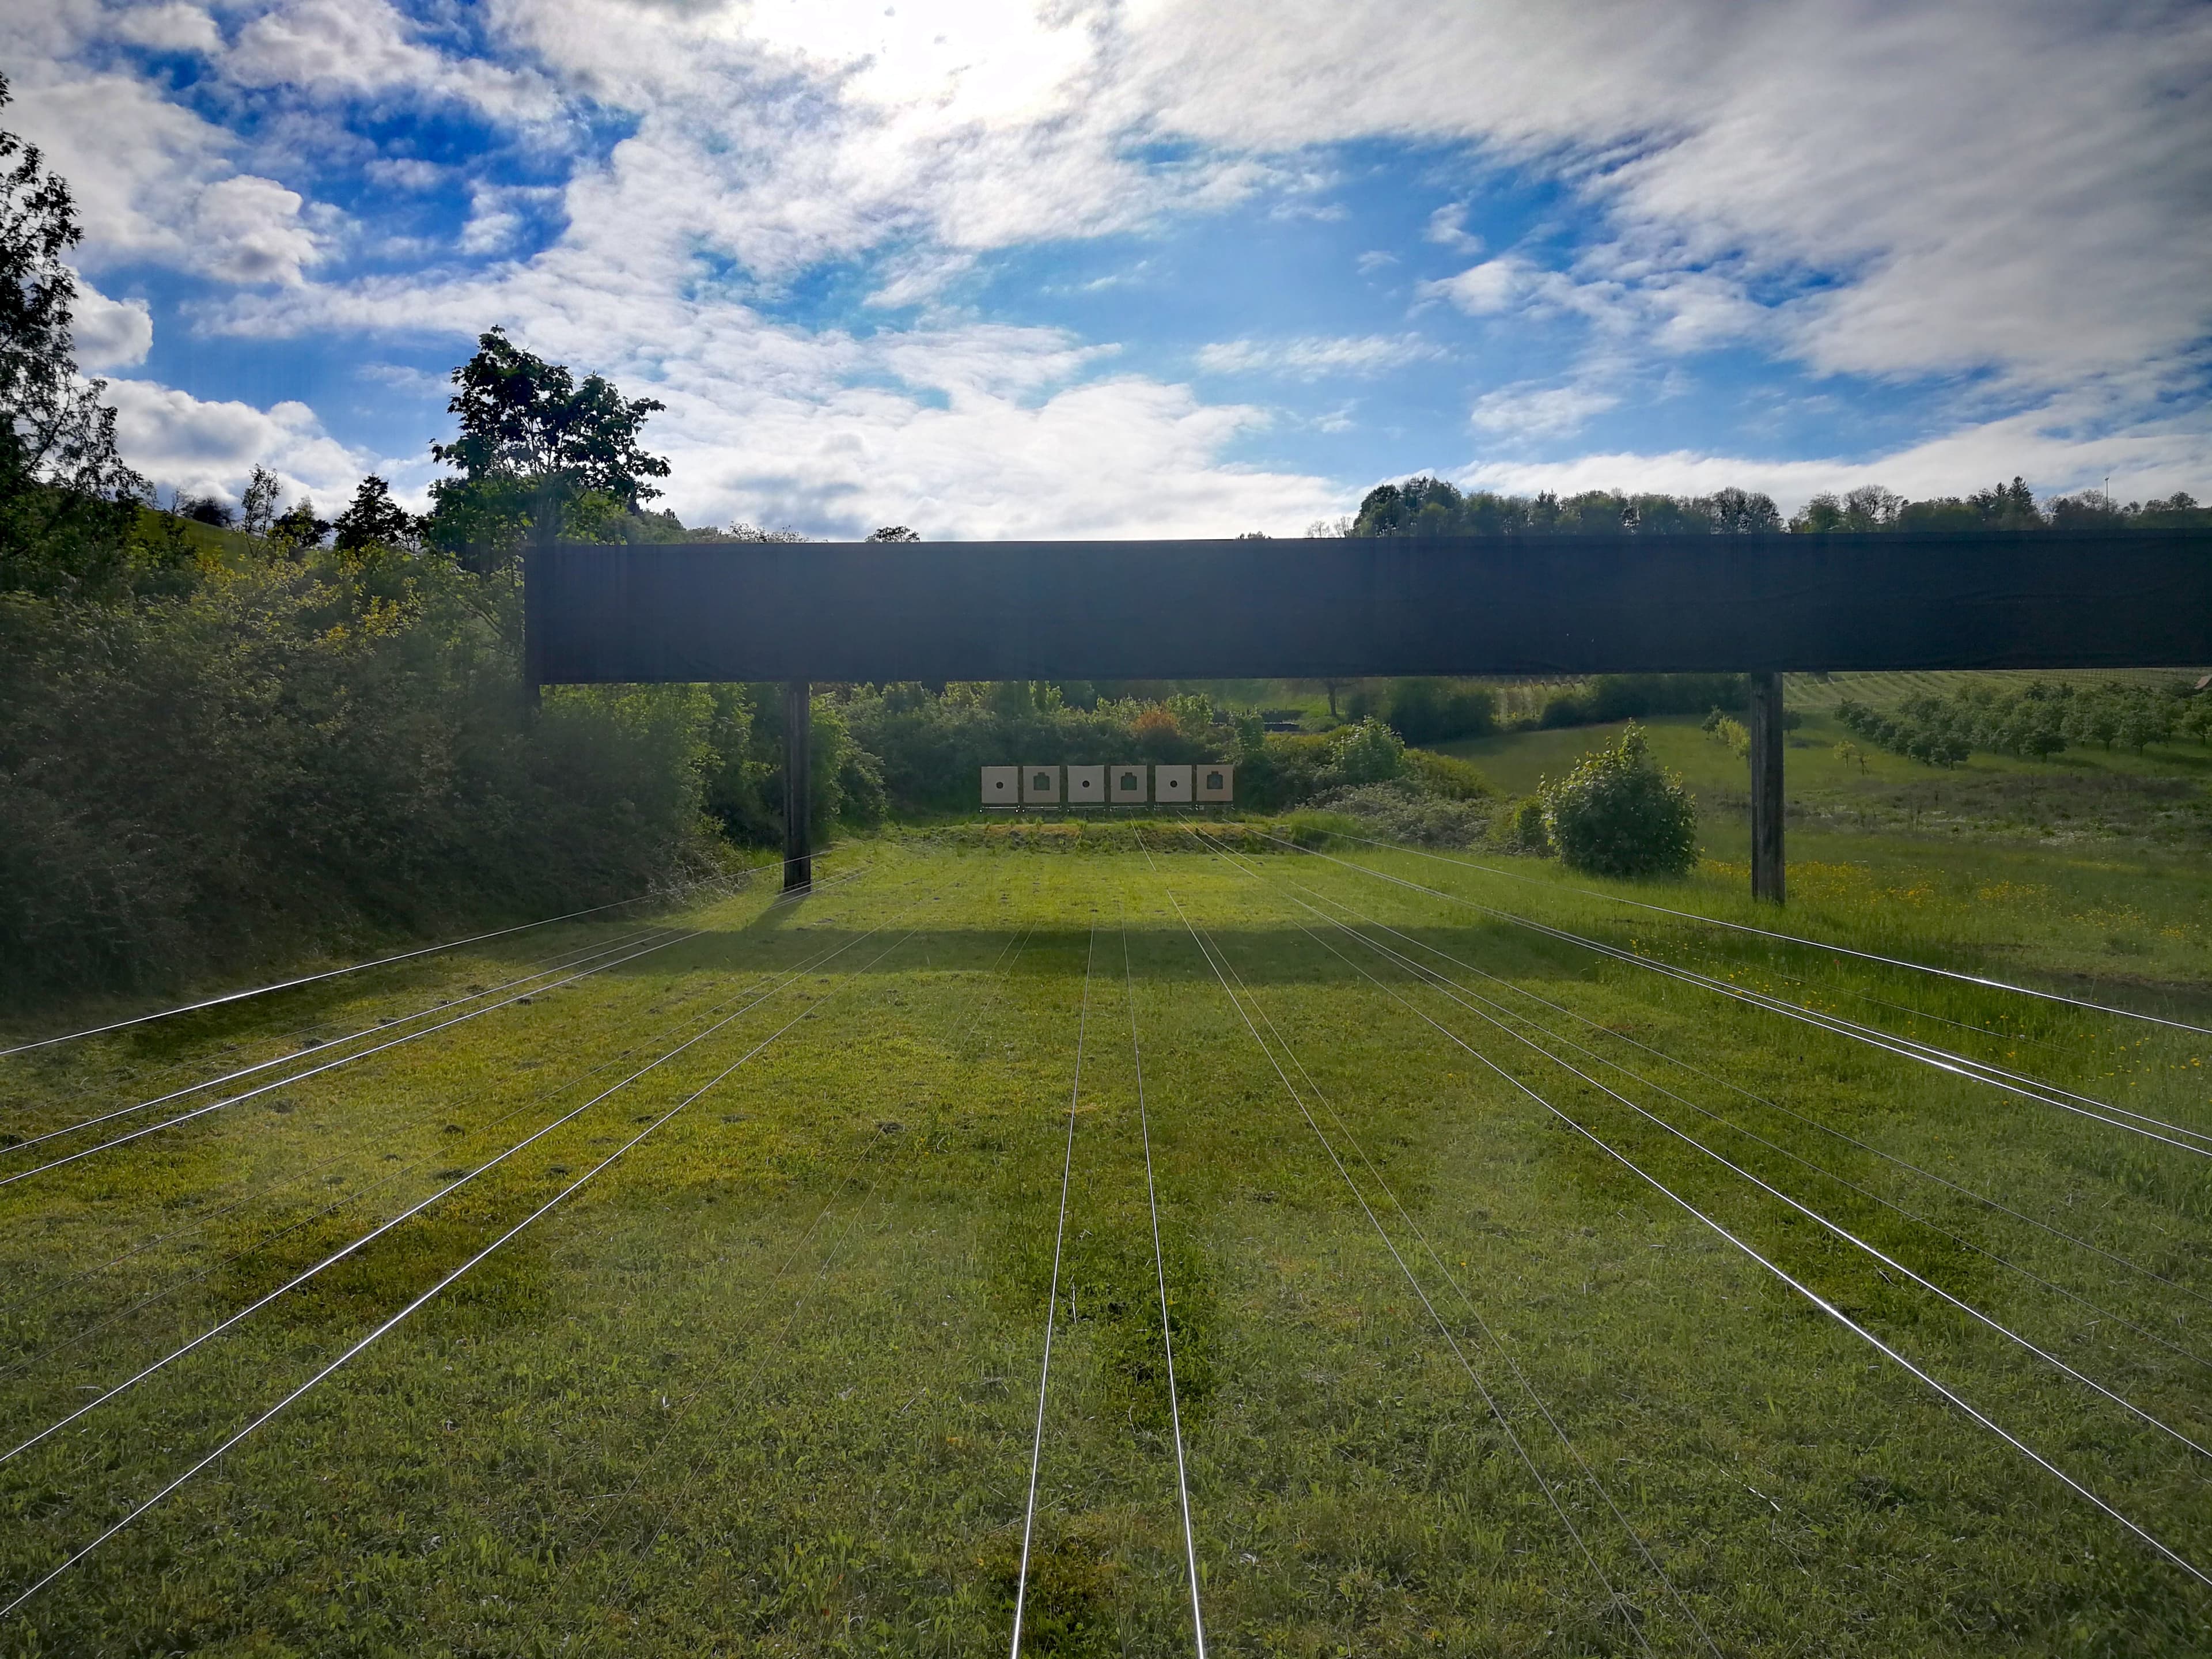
(1766, 796)
(798, 775)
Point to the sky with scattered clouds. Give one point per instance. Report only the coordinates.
(1068, 268)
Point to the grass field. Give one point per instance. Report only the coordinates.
(1456, 1367)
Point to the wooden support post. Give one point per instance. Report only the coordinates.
(798, 775)
(1766, 799)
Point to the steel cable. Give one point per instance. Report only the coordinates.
(339, 973)
(320, 1050)
(182, 1280)
(1613, 1597)
(417, 1208)
(2176, 1135)
(1430, 977)
(1160, 1268)
(1968, 1193)
(331, 1065)
(422, 1301)
(783, 1335)
(1811, 944)
(1827, 1307)
(1052, 1303)
(1474, 1312)
(1820, 1170)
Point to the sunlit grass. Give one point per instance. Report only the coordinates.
(769, 1384)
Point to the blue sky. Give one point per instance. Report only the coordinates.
(1130, 266)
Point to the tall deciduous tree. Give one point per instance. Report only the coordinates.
(372, 519)
(67, 499)
(537, 451)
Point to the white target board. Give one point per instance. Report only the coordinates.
(1002, 786)
(1171, 785)
(1217, 782)
(1040, 786)
(1126, 784)
(1086, 786)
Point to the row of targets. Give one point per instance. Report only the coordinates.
(1133, 785)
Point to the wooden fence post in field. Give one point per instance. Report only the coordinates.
(797, 775)
(1766, 803)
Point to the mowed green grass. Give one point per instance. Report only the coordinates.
(769, 1383)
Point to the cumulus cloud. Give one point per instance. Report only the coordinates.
(170, 28)
(180, 441)
(1313, 357)
(1540, 411)
(2072, 442)
(111, 333)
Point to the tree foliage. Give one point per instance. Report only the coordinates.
(2033, 723)
(1618, 813)
(1431, 507)
(538, 450)
(69, 504)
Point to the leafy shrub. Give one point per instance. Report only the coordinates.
(1519, 828)
(1605, 698)
(1619, 814)
(1728, 731)
(1447, 775)
(1437, 711)
(296, 755)
(1396, 812)
(1369, 752)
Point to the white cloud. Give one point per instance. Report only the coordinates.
(249, 230)
(1539, 411)
(170, 28)
(351, 48)
(404, 173)
(1485, 290)
(110, 333)
(1314, 357)
(2071, 442)
(1446, 227)
(180, 441)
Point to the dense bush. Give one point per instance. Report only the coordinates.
(1400, 812)
(1518, 827)
(294, 753)
(1424, 711)
(1605, 698)
(1619, 814)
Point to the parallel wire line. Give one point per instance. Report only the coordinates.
(1160, 1267)
(304, 1040)
(422, 1301)
(320, 1051)
(180, 1281)
(821, 1273)
(1822, 1171)
(183, 1280)
(1474, 1311)
(1827, 1307)
(1429, 977)
(413, 1210)
(441, 1192)
(339, 973)
(1052, 1302)
(331, 1065)
(1968, 1193)
(2198, 1142)
(202, 1222)
(1813, 944)
(1613, 1597)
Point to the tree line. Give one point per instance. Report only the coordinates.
(1432, 507)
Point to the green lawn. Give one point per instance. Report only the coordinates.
(769, 1384)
